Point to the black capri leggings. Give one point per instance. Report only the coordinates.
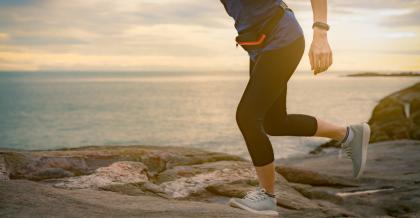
(262, 108)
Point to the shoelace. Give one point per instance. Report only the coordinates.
(255, 195)
(347, 150)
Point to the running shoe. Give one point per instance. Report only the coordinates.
(256, 201)
(356, 149)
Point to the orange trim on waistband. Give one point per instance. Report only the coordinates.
(259, 41)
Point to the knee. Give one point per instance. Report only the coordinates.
(245, 117)
(241, 116)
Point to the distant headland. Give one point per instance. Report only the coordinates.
(370, 74)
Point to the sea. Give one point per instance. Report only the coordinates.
(49, 110)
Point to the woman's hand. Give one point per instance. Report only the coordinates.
(320, 54)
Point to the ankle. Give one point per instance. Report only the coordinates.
(347, 137)
(341, 134)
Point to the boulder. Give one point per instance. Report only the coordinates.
(397, 116)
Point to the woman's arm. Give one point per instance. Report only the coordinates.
(320, 54)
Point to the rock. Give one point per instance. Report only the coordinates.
(298, 175)
(286, 196)
(309, 186)
(118, 173)
(293, 200)
(390, 166)
(51, 173)
(236, 189)
(4, 174)
(22, 198)
(329, 144)
(33, 167)
(397, 116)
(317, 192)
(181, 182)
(136, 189)
(85, 160)
(192, 170)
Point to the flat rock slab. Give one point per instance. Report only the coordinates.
(303, 176)
(22, 198)
(390, 185)
(391, 160)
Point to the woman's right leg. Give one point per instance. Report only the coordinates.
(279, 123)
(330, 130)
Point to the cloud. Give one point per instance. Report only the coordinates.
(4, 36)
(410, 18)
(11, 3)
(108, 31)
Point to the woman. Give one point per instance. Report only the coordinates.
(262, 108)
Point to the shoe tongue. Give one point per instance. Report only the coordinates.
(261, 189)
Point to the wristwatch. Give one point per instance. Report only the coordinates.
(321, 25)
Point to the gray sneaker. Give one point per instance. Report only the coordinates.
(356, 150)
(256, 201)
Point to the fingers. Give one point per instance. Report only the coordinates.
(311, 60)
(320, 59)
(324, 60)
(318, 63)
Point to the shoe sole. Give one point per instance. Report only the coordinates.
(365, 142)
(262, 212)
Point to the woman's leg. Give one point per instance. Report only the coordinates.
(330, 130)
(267, 82)
(278, 122)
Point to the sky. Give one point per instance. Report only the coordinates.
(192, 35)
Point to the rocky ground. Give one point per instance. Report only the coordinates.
(154, 181)
(183, 182)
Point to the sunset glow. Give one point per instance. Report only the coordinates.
(138, 35)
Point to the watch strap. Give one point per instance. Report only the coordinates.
(321, 25)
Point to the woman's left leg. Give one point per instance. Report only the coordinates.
(267, 82)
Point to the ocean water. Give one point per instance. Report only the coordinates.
(55, 110)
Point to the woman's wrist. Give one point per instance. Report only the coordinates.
(319, 33)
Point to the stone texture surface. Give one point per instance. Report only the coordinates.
(388, 187)
(397, 116)
(23, 198)
(118, 173)
(310, 186)
(298, 175)
(4, 174)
